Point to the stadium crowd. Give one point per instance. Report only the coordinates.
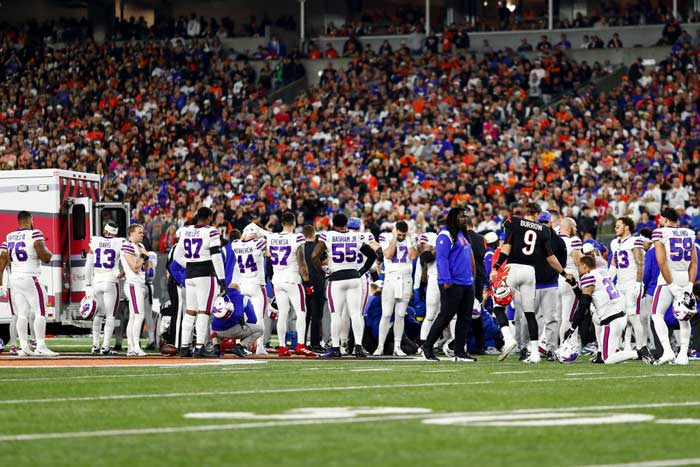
(394, 136)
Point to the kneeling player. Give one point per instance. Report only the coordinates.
(597, 288)
(236, 321)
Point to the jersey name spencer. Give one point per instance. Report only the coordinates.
(527, 239)
(283, 248)
(606, 297)
(430, 238)
(250, 260)
(622, 250)
(24, 261)
(678, 242)
(400, 263)
(107, 251)
(572, 244)
(131, 277)
(343, 248)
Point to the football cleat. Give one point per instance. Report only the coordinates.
(589, 349)
(533, 359)
(428, 355)
(2, 345)
(447, 350)
(665, 358)
(681, 359)
(151, 346)
(464, 358)
(331, 353)
(239, 351)
(107, 351)
(202, 352)
(398, 352)
(45, 352)
(360, 352)
(25, 352)
(283, 352)
(507, 348)
(598, 358)
(13, 350)
(95, 349)
(645, 356)
(694, 355)
(185, 352)
(301, 349)
(378, 352)
(344, 348)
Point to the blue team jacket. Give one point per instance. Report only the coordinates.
(454, 259)
(240, 307)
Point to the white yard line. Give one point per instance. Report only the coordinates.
(512, 372)
(660, 463)
(585, 374)
(240, 392)
(360, 370)
(344, 420)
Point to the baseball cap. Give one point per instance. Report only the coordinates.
(544, 217)
(491, 237)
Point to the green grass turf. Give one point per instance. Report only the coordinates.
(479, 387)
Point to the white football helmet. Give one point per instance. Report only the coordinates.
(569, 350)
(88, 308)
(684, 306)
(222, 308)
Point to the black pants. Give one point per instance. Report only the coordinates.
(455, 300)
(314, 315)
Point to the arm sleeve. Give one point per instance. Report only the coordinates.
(218, 263)
(89, 268)
(442, 250)
(370, 256)
(179, 255)
(584, 305)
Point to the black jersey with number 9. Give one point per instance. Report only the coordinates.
(527, 239)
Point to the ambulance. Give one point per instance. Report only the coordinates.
(66, 207)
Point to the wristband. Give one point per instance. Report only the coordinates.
(563, 273)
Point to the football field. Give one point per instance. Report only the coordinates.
(348, 412)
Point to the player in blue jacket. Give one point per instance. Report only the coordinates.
(242, 324)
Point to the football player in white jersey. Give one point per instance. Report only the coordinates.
(597, 288)
(199, 249)
(678, 265)
(628, 264)
(355, 225)
(134, 260)
(249, 272)
(343, 287)
(24, 250)
(427, 244)
(569, 302)
(102, 283)
(399, 253)
(290, 279)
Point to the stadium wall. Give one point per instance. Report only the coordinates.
(631, 36)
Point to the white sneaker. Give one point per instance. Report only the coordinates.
(260, 350)
(533, 359)
(681, 359)
(25, 352)
(665, 358)
(131, 354)
(139, 353)
(379, 352)
(45, 352)
(344, 349)
(508, 347)
(446, 349)
(398, 352)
